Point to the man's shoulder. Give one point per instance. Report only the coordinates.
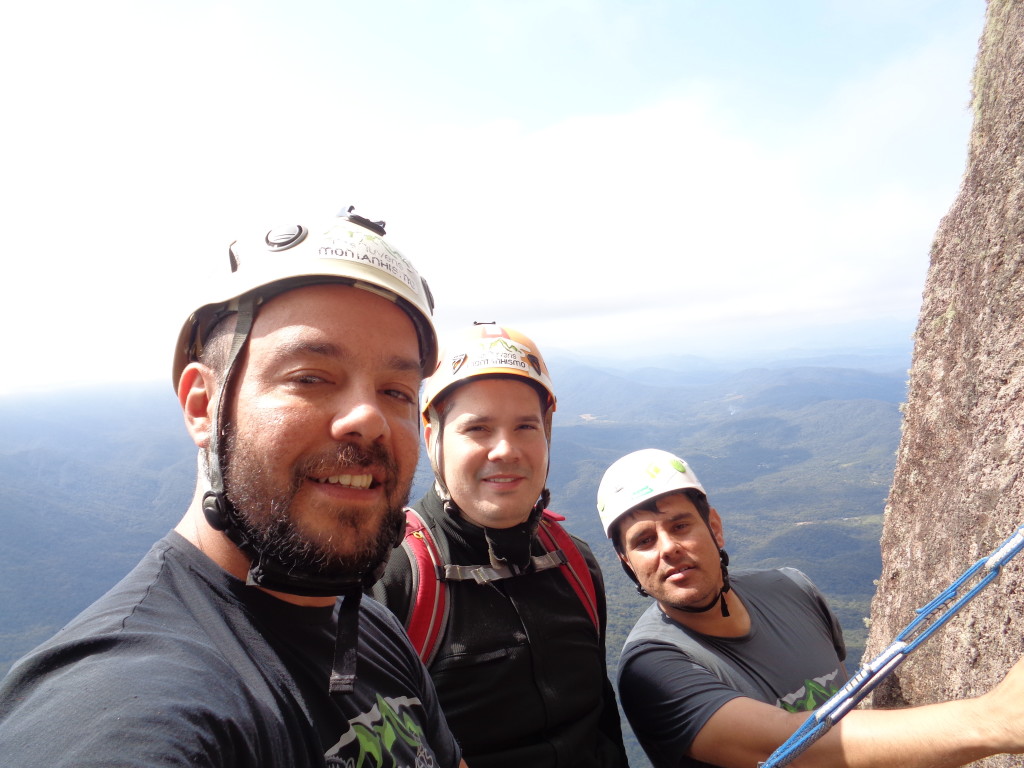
(771, 584)
(394, 586)
(652, 626)
(133, 600)
(774, 584)
(429, 506)
(375, 614)
(134, 667)
(147, 693)
(772, 576)
(555, 519)
(160, 614)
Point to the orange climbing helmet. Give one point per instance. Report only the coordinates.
(487, 349)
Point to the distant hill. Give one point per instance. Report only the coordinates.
(797, 459)
(88, 481)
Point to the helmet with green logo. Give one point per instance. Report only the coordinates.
(640, 478)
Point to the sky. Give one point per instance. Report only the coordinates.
(612, 177)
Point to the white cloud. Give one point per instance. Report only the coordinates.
(146, 143)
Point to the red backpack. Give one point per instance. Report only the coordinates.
(428, 612)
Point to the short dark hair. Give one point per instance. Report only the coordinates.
(214, 353)
(700, 501)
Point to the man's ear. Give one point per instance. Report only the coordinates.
(715, 523)
(428, 431)
(627, 565)
(196, 391)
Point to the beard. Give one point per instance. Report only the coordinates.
(265, 514)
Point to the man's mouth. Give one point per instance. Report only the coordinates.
(514, 478)
(678, 571)
(350, 481)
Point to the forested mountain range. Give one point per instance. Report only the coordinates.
(797, 457)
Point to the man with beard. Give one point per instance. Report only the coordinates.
(228, 644)
(724, 667)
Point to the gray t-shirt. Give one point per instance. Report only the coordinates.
(672, 679)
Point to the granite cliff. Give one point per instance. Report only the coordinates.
(958, 489)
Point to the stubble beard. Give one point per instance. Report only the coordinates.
(702, 601)
(266, 518)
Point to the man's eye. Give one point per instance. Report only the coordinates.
(398, 394)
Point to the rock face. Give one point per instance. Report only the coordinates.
(958, 490)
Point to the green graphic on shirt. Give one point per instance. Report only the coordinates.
(377, 742)
(811, 695)
(381, 737)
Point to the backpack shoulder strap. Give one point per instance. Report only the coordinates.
(554, 537)
(429, 606)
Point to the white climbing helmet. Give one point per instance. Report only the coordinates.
(350, 250)
(641, 477)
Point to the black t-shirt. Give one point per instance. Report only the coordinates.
(181, 664)
(520, 671)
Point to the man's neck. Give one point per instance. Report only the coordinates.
(712, 622)
(219, 548)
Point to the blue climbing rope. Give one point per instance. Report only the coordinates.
(928, 620)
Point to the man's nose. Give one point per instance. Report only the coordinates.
(667, 543)
(504, 449)
(359, 416)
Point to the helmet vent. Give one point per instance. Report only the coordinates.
(282, 238)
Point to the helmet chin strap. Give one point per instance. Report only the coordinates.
(219, 512)
(720, 597)
(723, 558)
(265, 570)
(269, 572)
